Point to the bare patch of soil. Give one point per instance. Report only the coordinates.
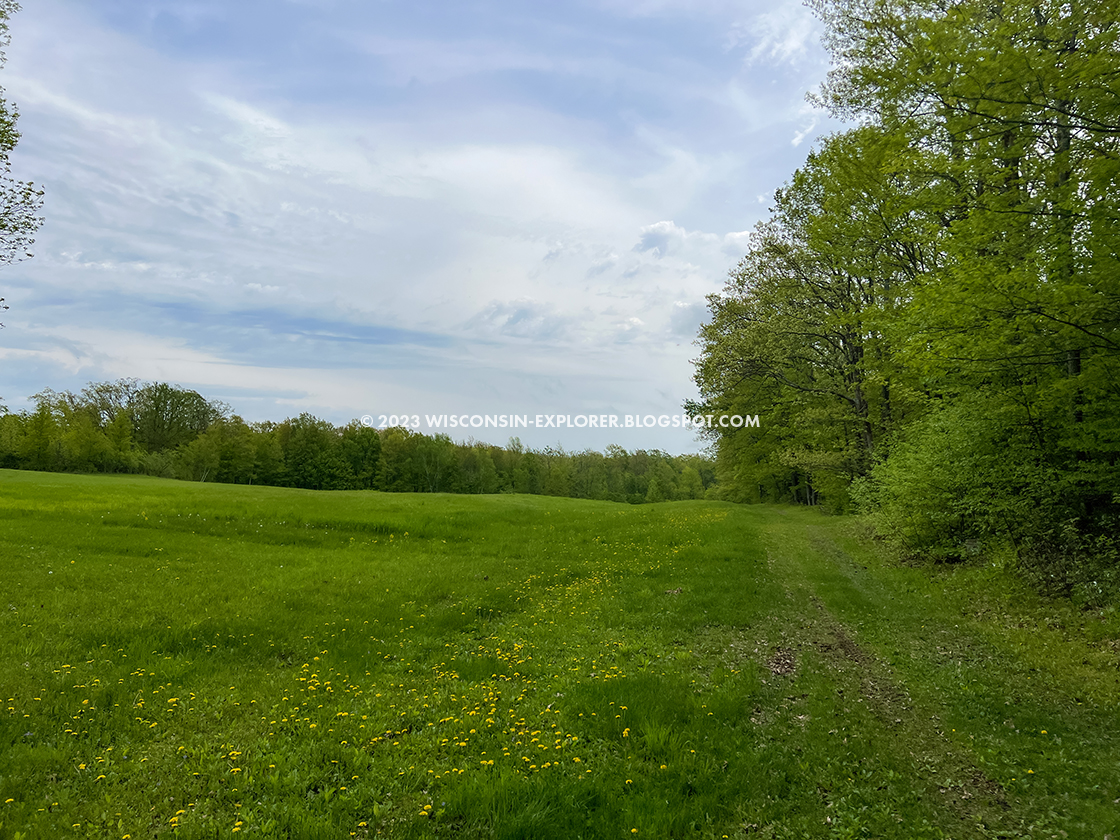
(782, 662)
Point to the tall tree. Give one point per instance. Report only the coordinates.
(436, 464)
(361, 449)
(20, 201)
(802, 332)
(1013, 109)
(313, 456)
(166, 416)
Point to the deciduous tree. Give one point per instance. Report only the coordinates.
(20, 201)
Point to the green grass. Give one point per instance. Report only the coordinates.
(196, 661)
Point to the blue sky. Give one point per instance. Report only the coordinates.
(383, 207)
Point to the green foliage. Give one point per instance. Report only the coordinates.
(312, 455)
(20, 201)
(165, 417)
(952, 481)
(1065, 560)
(123, 455)
(804, 328)
(435, 462)
(932, 314)
(397, 473)
(42, 446)
(361, 449)
(171, 432)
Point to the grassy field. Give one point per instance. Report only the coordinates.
(188, 660)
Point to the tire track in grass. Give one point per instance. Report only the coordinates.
(975, 797)
(975, 717)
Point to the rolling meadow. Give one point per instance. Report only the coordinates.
(197, 661)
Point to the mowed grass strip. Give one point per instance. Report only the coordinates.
(183, 660)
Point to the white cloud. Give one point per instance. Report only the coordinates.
(663, 238)
(666, 238)
(735, 244)
(497, 207)
(521, 319)
(800, 135)
(412, 60)
(784, 34)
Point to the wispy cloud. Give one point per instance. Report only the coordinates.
(358, 203)
(785, 33)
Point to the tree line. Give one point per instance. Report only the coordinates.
(929, 320)
(160, 429)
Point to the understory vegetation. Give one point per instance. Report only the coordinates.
(199, 660)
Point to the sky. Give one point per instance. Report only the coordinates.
(370, 207)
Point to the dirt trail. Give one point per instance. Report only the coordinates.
(819, 639)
